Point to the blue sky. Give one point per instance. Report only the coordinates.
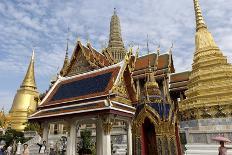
(43, 24)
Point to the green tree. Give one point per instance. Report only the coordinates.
(32, 127)
(87, 145)
(11, 135)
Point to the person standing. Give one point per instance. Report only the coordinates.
(25, 150)
(222, 150)
(9, 150)
(42, 147)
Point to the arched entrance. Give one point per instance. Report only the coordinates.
(149, 146)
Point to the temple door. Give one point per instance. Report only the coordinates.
(148, 138)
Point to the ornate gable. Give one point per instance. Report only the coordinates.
(85, 59)
(124, 84)
(79, 65)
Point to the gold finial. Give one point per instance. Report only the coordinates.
(29, 79)
(170, 58)
(148, 51)
(67, 42)
(157, 57)
(170, 50)
(199, 17)
(137, 52)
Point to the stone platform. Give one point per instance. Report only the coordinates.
(199, 135)
(204, 149)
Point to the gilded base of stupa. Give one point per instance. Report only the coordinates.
(18, 120)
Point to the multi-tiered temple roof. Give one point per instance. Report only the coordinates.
(96, 91)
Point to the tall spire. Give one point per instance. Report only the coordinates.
(209, 75)
(116, 45)
(152, 90)
(26, 98)
(199, 18)
(66, 61)
(29, 79)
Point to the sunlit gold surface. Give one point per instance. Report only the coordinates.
(25, 100)
(209, 91)
(115, 51)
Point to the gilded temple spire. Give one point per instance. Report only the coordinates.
(116, 46)
(208, 82)
(29, 79)
(26, 98)
(200, 23)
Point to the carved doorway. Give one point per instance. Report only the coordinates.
(149, 138)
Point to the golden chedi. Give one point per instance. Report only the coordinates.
(26, 99)
(209, 93)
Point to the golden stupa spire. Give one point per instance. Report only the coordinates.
(199, 18)
(29, 79)
(208, 83)
(26, 98)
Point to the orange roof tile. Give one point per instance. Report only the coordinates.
(142, 62)
(178, 77)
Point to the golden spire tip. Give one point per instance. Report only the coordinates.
(199, 17)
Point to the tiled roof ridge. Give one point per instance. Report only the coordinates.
(152, 54)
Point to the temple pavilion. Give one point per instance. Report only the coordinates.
(113, 86)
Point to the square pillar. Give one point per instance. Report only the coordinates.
(45, 131)
(71, 145)
(129, 139)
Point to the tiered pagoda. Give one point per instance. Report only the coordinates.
(205, 96)
(208, 94)
(25, 101)
(115, 52)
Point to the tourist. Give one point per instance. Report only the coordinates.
(1, 151)
(25, 150)
(42, 147)
(52, 151)
(222, 150)
(14, 147)
(9, 150)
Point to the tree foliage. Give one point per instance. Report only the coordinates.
(11, 135)
(87, 145)
(32, 127)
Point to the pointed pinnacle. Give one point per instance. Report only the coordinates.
(199, 17)
(29, 79)
(33, 54)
